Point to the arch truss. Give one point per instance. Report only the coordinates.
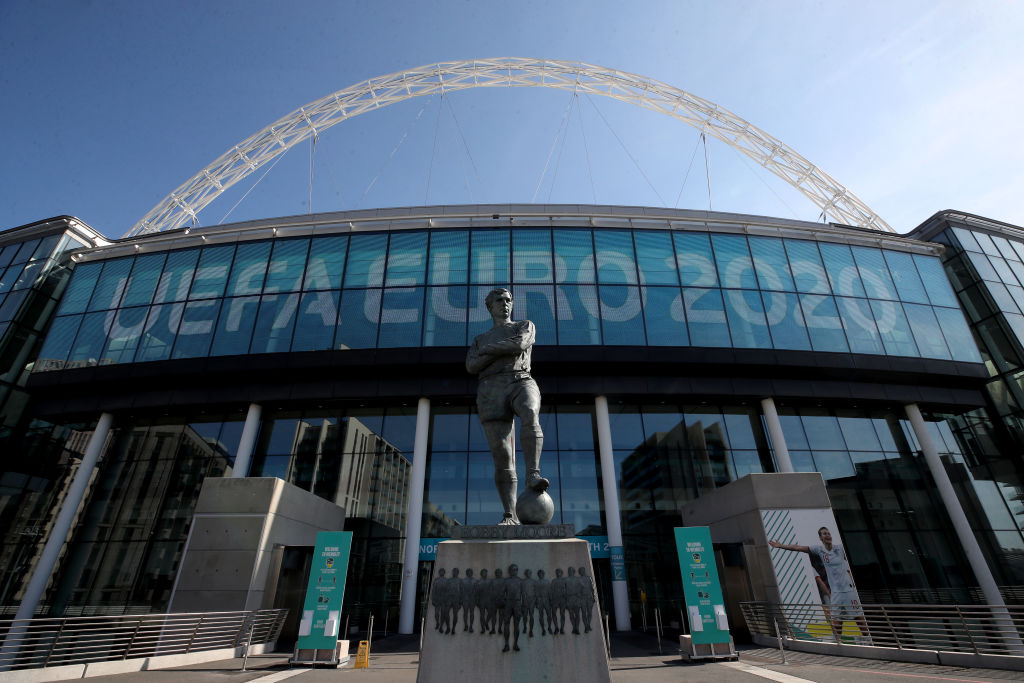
(181, 206)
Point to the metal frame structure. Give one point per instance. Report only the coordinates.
(181, 206)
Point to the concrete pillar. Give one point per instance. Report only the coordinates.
(778, 439)
(414, 518)
(61, 527)
(620, 597)
(953, 507)
(247, 442)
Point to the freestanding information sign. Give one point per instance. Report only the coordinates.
(703, 594)
(325, 592)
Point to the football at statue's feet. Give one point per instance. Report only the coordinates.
(535, 507)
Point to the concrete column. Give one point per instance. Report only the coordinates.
(61, 527)
(771, 420)
(247, 442)
(620, 598)
(953, 507)
(414, 518)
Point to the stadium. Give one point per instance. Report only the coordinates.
(184, 407)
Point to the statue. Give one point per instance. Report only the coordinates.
(501, 358)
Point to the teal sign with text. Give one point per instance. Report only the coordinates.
(325, 592)
(705, 608)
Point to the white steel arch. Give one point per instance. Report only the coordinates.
(182, 205)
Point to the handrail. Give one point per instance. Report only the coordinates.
(972, 629)
(42, 642)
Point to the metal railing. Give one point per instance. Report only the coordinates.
(974, 629)
(35, 643)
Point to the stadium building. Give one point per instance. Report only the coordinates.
(313, 349)
(183, 409)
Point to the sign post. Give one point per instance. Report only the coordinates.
(702, 591)
(325, 593)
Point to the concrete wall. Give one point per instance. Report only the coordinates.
(229, 559)
(733, 514)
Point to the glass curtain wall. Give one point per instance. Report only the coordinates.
(898, 536)
(579, 286)
(666, 455)
(124, 553)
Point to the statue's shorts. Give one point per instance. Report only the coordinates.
(500, 396)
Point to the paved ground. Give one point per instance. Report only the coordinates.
(635, 659)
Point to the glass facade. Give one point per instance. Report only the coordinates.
(579, 286)
(605, 288)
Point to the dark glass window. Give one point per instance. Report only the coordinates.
(326, 262)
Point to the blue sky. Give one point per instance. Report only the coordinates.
(109, 106)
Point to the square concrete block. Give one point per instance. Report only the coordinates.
(560, 610)
(226, 532)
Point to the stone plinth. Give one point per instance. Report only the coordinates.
(485, 591)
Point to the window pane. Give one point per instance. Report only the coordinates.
(958, 336)
(212, 272)
(326, 262)
(663, 314)
(696, 264)
(401, 319)
(88, 346)
(489, 256)
(407, 259)
(874, 273)
(177, 276)
(249, 269)
(274, 323)
(316, 320)
(785, 321)
(30, 272)
(126, 327)
(143, 280)
(158, 334)
(770, 264)
(859, 325)
(905, 277)
(357, 324)
(234, 326)
(615, 261)
(745, 312)
(25, 250)
(58, 343)
(574, 256)
(823, 324)
(537, 304)
(926, 331)
(79, 291)
(621, 317)
(842, 272)
(445, 318)
(195, 333)
(45, 248)
(892, 326)
(287, 265)
(9, 277)
(11, 304)
(531, 256)
(935, 281)
(656, 258)
(578, 321)
(479, 318)
(449, 257)
(110, 285)
(705, 317)
(735, 268)
(966, 239)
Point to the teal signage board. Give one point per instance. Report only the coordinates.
(618, 562)
(325, 592)
(705, 607)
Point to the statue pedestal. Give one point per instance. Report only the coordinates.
(552, 603)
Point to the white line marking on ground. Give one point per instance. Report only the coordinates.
(280, 675)
(764, 673)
